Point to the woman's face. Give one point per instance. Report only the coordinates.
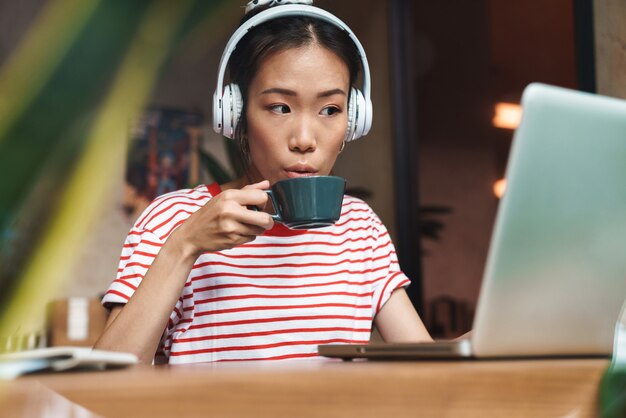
(297, 113)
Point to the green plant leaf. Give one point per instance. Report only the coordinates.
(612, 393)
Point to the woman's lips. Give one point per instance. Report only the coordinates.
(294, 174)
(300, 170)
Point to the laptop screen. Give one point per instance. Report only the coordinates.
(555, 278)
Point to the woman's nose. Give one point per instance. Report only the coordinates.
(303, 136)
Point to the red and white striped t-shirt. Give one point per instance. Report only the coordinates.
(276, 297)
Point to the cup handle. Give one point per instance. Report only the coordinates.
(276, 217)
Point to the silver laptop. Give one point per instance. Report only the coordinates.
(555, 278)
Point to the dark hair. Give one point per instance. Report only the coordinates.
(278, 35)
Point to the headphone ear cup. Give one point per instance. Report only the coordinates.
(227, 114)
(232, 104)
(217, 113)
(357, 115)
(368, 115)
(351, 114)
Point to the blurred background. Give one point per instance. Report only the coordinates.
(105, 104)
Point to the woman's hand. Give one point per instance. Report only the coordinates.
(225, 221)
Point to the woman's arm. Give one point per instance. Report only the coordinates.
(137, 326)
(397, 321)
(224, 222)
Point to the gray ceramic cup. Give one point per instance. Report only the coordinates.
(307, 202)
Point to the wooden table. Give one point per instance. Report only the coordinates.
(323, 388)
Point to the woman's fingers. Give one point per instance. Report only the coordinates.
(262, 185)
(246, 196)
(236, 232)
(251, 197)
(256, 219)
(225, 221)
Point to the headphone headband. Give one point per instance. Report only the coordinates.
(283, 11)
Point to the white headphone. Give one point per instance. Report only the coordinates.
(228, 101)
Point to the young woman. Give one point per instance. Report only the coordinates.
(204, 278)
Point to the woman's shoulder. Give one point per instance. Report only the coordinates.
(165, 206)
(355, 202)
(355, 208)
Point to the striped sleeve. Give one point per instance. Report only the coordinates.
(386, 259)
(145, 239)
(140, 249)
(138, 254)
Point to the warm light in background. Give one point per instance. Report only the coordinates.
(507, 115)
(499, 187)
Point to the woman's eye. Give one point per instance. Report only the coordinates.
(330, 111)
(281, 108)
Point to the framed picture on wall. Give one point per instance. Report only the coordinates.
(161, 156)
